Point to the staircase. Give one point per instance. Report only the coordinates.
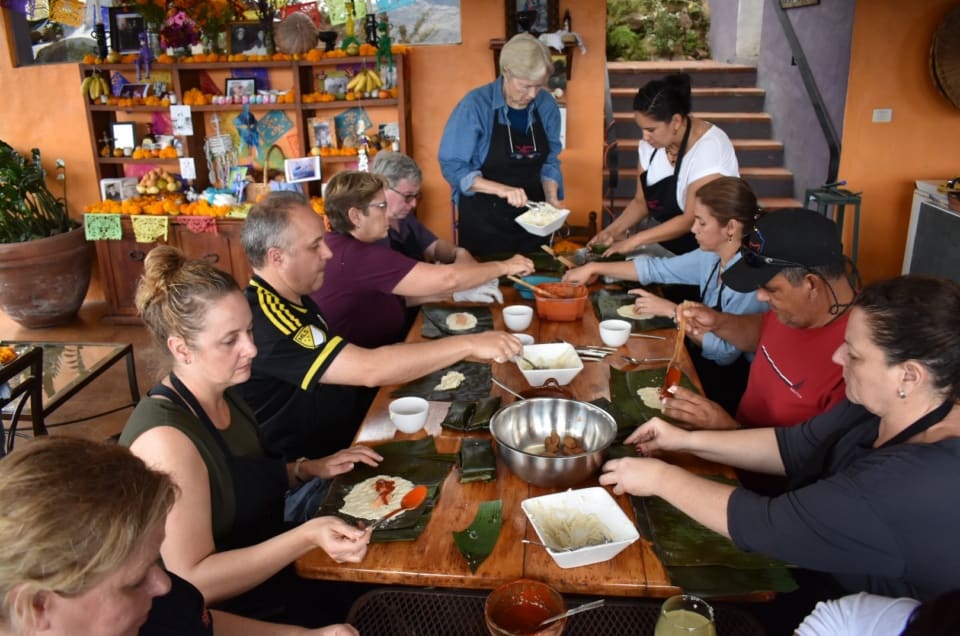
(723, 94)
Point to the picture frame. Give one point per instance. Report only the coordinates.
(547, 18)
(118, 189)
(246, 37)
(135, 89)
(322, 132)
(793, 4)
(302, 169)
(240, 87)
(126, 26)
(124, 134)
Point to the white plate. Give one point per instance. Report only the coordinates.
(531, 223)
(595, 501)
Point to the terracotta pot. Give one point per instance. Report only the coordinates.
(43, 282)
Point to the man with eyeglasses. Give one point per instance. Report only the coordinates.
(794, 260)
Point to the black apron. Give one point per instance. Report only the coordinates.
(724, 384)
(486, 224)
(662, 202)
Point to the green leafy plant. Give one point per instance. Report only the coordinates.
(28, 210)
(657, 29)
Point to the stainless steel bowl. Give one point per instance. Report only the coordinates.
(521, 428)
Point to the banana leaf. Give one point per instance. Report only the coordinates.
(478, 540)
(543, 263)
(415, 460)
(435, 320)
(471, 415)
(477, 384)
(478, 462)
(702, 561)
(606, 303)
(623, 392)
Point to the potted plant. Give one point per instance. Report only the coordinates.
(44, 258)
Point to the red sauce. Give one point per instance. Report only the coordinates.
(384, 487)
(672, 379)
(524, 618)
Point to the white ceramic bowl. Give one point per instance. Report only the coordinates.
(409, 414)
(517, 317)
(569, 504)
(615, 332)
(525, 338)
(560, 359)
(531, 222)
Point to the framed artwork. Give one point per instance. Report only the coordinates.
(134, 89)
(240, 87)
(247, 37)
(118, 189)
(302, 169)
(792, 4)
(125, 29)
(536, 16)
(124, 134)
(321, 132)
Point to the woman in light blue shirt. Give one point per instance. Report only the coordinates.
(724, 211)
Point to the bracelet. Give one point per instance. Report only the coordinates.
(296, 470)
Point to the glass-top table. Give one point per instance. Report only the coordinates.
(70, 366)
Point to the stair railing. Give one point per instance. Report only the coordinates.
(813, 92)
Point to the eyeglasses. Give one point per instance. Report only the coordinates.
(408, 198)
(382, 205)
(522, 152)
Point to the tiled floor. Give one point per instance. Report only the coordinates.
(105, 393)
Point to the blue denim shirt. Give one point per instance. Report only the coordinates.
(467, 135)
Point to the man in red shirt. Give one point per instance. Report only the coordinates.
(795, 261)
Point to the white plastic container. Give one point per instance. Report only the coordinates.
(595, 501)
(531, 222)
(556, 354)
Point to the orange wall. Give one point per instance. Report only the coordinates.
(890, 68)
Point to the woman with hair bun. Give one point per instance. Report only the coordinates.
(678, 154)
(724, 211)
(225, 533)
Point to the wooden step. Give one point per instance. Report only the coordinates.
(722, 99)
(766, 182)
(736, 125)
(702, 73)
(750, 152)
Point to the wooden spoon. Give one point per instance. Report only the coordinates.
(533, 288)
(566, 262)
(411, 500)
(673, 372)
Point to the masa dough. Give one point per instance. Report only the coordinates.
(450, 380)
(650, 396)
(626, 311)
(461, 321)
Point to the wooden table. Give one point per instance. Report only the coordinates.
(433, 559)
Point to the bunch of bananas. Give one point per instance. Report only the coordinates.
(366, 81)
(95, 85)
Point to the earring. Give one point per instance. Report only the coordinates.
(901, 393)
(729, 238)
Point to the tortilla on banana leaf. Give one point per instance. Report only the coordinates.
(606, 303)
(623, 392)
(415, 460)
(435, 320)
(476, 384)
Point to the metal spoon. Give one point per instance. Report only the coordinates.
(411, 500)
(533, 367)
(633, 360)
(507, 389)
(576, 610)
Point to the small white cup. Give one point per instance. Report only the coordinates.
(614, 332)
(409, 414)
(525, 338)
(517, 317)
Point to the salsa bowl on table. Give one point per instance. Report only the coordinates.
(569, 304)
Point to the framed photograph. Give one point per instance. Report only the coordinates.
(536, 16)
(119, 189)
(302, 169)
(240, 87)
(793, 4)
(246, 37)
(124, 134)
(322, 133)
(559, 77)
(134, 89)
(126, 26)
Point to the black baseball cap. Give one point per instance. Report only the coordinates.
(784, 239)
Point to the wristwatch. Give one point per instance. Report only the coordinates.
(296, 469)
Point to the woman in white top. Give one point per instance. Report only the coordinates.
(678, 154)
